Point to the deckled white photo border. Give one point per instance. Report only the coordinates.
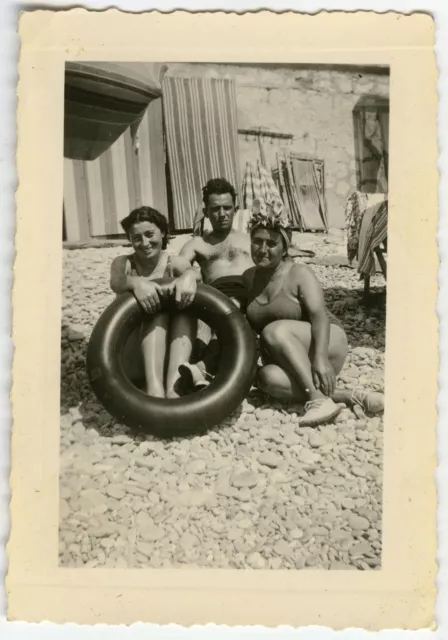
(90, 56)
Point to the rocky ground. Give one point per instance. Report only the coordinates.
(258, 492)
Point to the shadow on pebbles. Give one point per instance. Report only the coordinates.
(258, 492)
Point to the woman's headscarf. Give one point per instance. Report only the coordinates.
(271, 215)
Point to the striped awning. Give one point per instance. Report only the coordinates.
(102, 100)
(202, 137)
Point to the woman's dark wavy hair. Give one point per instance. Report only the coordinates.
(147, 214)
(218, 186)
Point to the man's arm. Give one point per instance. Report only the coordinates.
(187, 275)
(182, 265)
(184, 262)
(189, 252)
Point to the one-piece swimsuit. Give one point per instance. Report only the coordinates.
(282, 306)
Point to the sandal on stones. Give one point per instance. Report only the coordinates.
(370, 401)
(318, 412)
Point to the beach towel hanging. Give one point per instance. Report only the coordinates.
(259, 184)
(201, 131)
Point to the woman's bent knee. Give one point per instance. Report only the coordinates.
(338, 348)
(273, 334)
(274, 381)
(268, 377)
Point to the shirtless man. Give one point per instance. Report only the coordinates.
(220, 253)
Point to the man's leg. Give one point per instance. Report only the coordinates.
(182, 332)
(202, 372)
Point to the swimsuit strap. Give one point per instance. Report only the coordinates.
(160, 268)
(280, 290)
(133, 263)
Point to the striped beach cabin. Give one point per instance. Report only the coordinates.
(136, 136)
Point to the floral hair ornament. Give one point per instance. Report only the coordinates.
(271, 215)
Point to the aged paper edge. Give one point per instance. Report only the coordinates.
(402, 595)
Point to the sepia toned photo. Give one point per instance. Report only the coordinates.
(269, 184)
(219, 408)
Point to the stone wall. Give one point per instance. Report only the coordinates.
(313, 103)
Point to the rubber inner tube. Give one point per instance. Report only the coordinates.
(232, 286)
(194, 413)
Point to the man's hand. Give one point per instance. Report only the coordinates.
(147, 294)
(324, 377)
(184, 289)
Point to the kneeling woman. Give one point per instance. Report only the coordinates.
(303, 346)
(164, 340)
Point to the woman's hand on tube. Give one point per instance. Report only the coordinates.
(184, 289)
(324, 377)
(147, 294)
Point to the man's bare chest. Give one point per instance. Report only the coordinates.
(227, 250)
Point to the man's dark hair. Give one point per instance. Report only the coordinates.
(218, 186)
(147, 214)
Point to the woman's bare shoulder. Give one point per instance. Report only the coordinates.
(301, 270)
(301, 274)
(121, 262)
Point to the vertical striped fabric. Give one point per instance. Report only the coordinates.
(151, 164)
(202, 135)
(371, 137)
(300, 182)
(319, 183)
(307, 194)
(281, 185)
(293, 196)
(357, 204)
(259, 184)
(247, 189)
(99, 193)
(372, 234)
(383, 119)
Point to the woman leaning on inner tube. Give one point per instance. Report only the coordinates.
(303, 345)
(164, 341)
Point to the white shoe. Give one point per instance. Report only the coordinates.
(194, 374)
(319, 411)
(370, 401)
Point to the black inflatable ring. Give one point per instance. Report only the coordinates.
(193, 413)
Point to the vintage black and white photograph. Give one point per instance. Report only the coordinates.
(223, 315)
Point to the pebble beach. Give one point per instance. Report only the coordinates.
(257, 491)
